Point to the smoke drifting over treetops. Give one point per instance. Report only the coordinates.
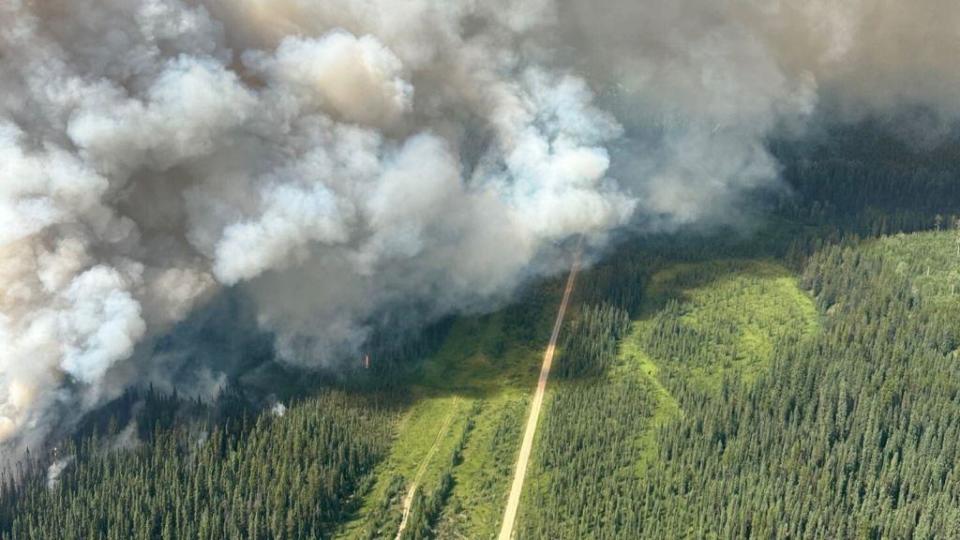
(335, 158)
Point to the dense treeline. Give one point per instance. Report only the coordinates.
(591, 450)
(852, 434)
(589, 344)
(864, 180)
(619, 281)
(292, 474)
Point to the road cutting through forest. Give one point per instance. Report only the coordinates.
(513, 501)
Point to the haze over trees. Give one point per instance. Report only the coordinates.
(799, 381)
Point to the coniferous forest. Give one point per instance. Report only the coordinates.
(798, 380)
(851, 433)
(291, 473)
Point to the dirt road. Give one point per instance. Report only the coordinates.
(412, 490)
(513, 502)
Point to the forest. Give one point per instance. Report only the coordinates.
(850, 431)
(799, 380)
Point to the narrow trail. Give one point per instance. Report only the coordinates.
(412, 490)
(520, 472)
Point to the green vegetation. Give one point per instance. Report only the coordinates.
(782, 426)
(289, 476)
(741, 400)
(470, 400)
(338, 463)
(702, 324)
(722, 318)
(590, 342)
(799, 381)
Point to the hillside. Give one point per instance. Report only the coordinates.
(736, 409)
(796, 380)
(475, 270)
(693, 396)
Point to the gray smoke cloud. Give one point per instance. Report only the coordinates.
(331, 159)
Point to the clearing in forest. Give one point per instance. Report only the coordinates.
(475, 390)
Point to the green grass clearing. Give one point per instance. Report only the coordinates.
(484, 373)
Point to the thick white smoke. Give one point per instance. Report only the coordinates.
(332, 158)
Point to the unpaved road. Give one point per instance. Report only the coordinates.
(513, 502)
(412, 490)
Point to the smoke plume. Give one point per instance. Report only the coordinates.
(335, 159)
